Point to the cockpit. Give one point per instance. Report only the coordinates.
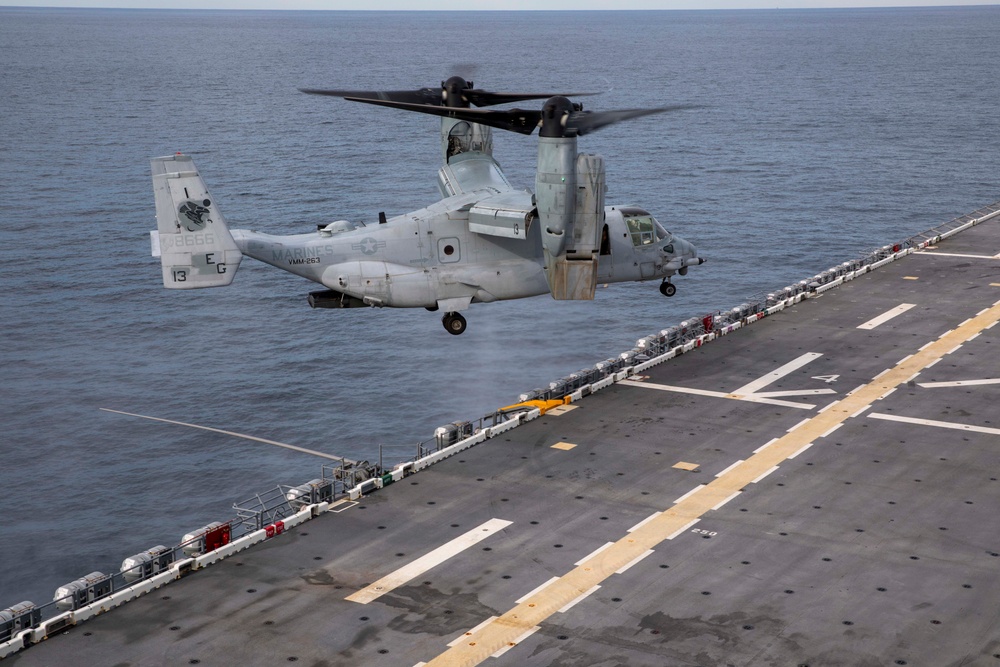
(466, 137)
(459, 138)
(643, 227)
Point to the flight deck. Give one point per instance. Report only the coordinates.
(819, 488)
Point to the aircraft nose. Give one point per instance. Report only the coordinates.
(681, 254)
(678, 247)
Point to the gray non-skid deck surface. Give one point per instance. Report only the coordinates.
(876, 546)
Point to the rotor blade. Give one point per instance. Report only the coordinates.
(515, 120)
(583, 122)
(485, 98)
(480, 98)
(422, 96)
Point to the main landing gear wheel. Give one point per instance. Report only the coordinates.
(453, 323)
(668, 289)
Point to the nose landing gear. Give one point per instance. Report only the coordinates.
(453, 323)
(667, 288)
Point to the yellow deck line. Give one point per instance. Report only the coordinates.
(505, 631)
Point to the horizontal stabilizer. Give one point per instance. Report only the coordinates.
(191, 239)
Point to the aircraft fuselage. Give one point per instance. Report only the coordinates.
(429, 256)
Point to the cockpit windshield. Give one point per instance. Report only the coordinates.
(661, 233)
(459, 139)
(643, 228)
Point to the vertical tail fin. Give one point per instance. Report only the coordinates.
(191, 239)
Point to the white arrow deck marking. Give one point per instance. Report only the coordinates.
(716, 394)
(954, 254)
(400, 577)
(777, 374)
(886, 316)
(931, 422)
(749, 392)
(957, 383)
(794, 392)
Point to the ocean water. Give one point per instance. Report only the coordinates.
(823, 133)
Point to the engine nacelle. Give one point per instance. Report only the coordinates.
(569, 194)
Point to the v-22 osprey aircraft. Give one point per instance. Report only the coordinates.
(484, 241)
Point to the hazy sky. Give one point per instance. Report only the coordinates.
(487, 4)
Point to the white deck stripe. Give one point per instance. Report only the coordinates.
(635, 560)
(827, 407)
(725, 500)
(778, 373)
(764, 474)
(643, 522)
(887, 315)
(400, 577)
(683, 529)
(832, 429)
(669, 387)
(536, 590)
(765, 445)
(800, 424)
(753, 398)
(472, 631)
(931, 422)
(583, 596)
(863, 408)
(517, 641)
(804, 448)
(595, 552)
(694, 490)
(800, 392)
(728, 468)
(954, 254)
(957, 383)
